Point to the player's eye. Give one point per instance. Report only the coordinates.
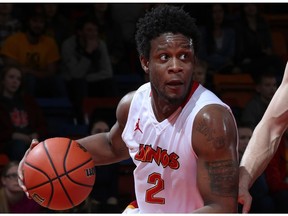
(163, 57)
(183, 56)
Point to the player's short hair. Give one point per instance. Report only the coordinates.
(163, 19)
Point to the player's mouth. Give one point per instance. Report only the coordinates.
(175, 84)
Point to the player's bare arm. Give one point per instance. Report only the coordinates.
(264, 142)
(215, 143)
(107, 148)
(267, 133)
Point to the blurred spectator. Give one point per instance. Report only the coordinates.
(277, 176)
(74, 11)
(37, 55)
(86, 64)
(58, 26)
(262, 201)
(200, 72)
(4, 159)
(125, 16)
(107, 31)
(12, 197)
(244, 133)
(266, 86)
(254, 43)
(196, 11)
(8, 23)
(21, 119)
(105, 190)
(218, 41)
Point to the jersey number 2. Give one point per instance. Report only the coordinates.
(155, 178)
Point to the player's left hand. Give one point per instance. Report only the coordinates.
(20, 168)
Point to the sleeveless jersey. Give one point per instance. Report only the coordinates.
(165, 173)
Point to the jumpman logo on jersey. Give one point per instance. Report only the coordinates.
(137, 126)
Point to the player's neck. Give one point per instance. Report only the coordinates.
(162, 110)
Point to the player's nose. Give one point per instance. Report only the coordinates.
(175, 66)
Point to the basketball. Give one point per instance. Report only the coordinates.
(59, 173)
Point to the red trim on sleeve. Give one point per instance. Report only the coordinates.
(192, 90)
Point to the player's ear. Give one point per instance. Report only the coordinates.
(144, 63)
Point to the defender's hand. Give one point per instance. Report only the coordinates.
(245, 199)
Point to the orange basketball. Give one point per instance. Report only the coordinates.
(59, 173)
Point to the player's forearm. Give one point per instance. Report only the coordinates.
(99, 147)
(260, 150)
(105, 148)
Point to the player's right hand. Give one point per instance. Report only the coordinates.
(20, 168)
(245, 199)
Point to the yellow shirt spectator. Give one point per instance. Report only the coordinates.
(34, 56)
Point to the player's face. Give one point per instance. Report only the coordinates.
(170, 66)
(10, 180)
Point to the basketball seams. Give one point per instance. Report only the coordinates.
(43, 183)
(54, 179)
(65, 173)
(75, 168)
(39, 185)
(57, 176)
(71, 170)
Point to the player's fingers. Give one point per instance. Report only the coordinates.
(20, 172)
(21, 178)
(247, 205)
(20, 168)
(246, 202)
(34, 143)
(286, 68)
(28, 195)
(21, 184)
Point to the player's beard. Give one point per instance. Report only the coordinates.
(173, 100)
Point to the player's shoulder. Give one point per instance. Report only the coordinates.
(213, 110)
(123, 108)
(125, 102)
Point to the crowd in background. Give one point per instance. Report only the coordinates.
(79, 50)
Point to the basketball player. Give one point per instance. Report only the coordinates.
(182, 138)
(264, 142)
